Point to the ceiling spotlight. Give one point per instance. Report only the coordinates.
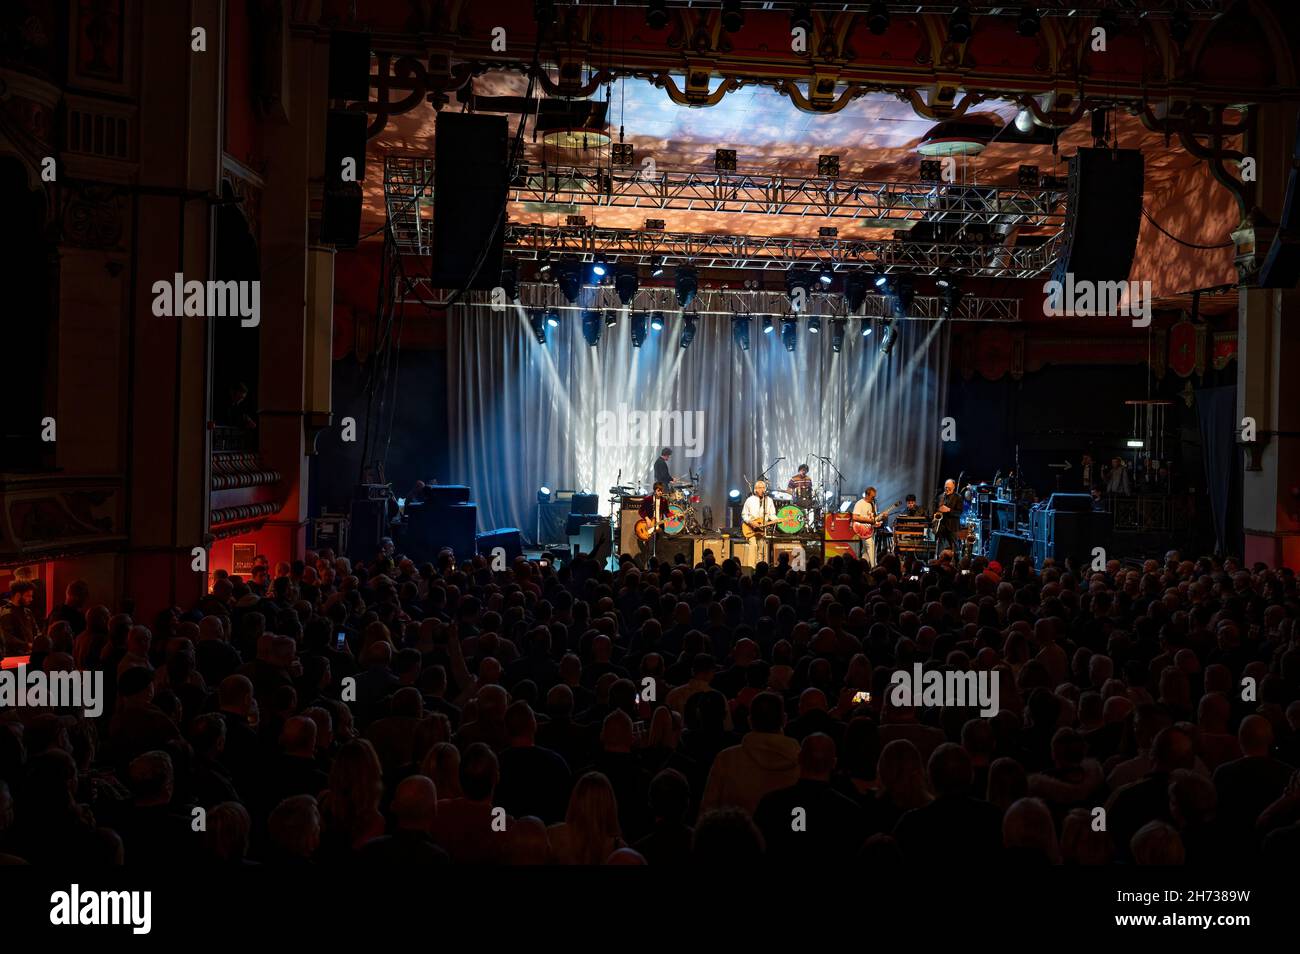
(638, 328)
(789, 332)
(592, 325)
(543, 262)
(949, 300)
(740, 330)
(837, 334)
(733, 493)
(611, 317)
(767, 324)
(884, 283)
(1025, 121)
(656, 266)
(510, 281)
(864, 325)
(798, 284)
(552, 318)
(687, 283)
(1180, 27)
(688, 330)
(733, 18)
(878, 18)
(801, 17)
(656, 14)
(959, 28)
(943, 279)
(657, 321)
(570, 279)
(1027, 22)
(600, 266)
(855, 291)
(538, 324)
(902, 298)
(626, 284)
(888, 338)
(815, 324)
(827, 274)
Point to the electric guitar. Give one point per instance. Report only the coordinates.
(864, 527)
(645, 527)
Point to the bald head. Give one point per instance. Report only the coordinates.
(415, 804)
(1255, 736)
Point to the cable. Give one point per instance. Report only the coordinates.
(1168, 234)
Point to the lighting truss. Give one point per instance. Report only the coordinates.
(721, 302)
(1195, 9)
(638, 247)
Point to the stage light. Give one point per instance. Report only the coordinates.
(796, 279)
(656, 266)
(538, 323)
(1135, 443)
(902, 298)
(570, 280)
(767, 324)
(959, 28)
(591, 326)
(878, 18)
(626, 284)
(837, 334)
(510, 281)
(1180, 27)
(882, 281)
(815, 324)
(865, 327)
(740, 330)
(611, 317)
(734, 494)
(656, 14)
(789, 333)
(552, 318)
(688, 330)
(855, 291)
(1027, 23)
(544, 494)
(888, 338)
(600, 266)
(688, 283)
(544, 262)
(638, 328)
(657, 321)
(950, 300)
(801, 17)
(1025, 121)
(733, 18)
(943, 279)
(827, 274)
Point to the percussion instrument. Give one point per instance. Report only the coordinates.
(790, 519)
(675, 520)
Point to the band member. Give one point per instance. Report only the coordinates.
(864, 511)
(758, 512)
(1087, 472)
(801, 484)
(655, 508)
(950, 505)
(913, 509)
(662, 474)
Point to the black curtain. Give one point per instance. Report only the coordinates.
(1217, 412)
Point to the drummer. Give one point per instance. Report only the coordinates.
(800, 485)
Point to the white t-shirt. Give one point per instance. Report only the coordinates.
(864, 509)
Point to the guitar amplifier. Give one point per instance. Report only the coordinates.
(671, 546)
(838, 526)
(718, 543)
(810, 548)
(446, 495)
(629, 514)
(842, 548)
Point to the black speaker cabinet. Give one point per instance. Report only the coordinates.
(366, 528)
(444, 495)
(1070, 503)
(431, 528)
(584, 503)
(552, 519)
(1281, 266)
(1103, 215)
(672, 546)
(469, 194)
(507, 538)
(349, 66)
(592, 538)
(1007, 546)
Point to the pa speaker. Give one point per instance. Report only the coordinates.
(345, 146)
(444, 495)
(469, 194)
(584, 503)
(507, 538)
(1103, 214)
(1008, 546)
(1281, 266)
(349, 69)
(1070, 503)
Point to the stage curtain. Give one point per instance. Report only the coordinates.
(523, 415)
(1216, 409)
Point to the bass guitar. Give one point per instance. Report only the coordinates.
(865, 527)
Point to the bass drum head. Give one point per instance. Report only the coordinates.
(790, 519)
(675, 521)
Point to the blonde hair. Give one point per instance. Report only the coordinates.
(591, 820)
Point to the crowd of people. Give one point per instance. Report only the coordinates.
(325, 711)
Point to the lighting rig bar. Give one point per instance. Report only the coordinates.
(722, 302)
(640, 247)
(1195, 9)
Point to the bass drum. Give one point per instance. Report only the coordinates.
(790, 519)
(675, 520)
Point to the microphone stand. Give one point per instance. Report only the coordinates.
(763, 475)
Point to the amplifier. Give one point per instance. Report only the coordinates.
(838, 526)
(671, 546)
(810, 548)
(444, 495)
(842, 548)
(1007, 546)
(719, 544)
(507, 538)
(585, 504)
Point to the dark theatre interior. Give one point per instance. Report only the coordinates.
(650, 433)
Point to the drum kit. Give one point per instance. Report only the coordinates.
(798, 512)
(683, 499)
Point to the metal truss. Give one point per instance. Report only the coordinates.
(1195, 9)
(408, 186)
(638, 247)
(721, 302)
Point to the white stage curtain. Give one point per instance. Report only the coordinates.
(523, 415)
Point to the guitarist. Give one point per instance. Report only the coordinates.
(758, 512)
(864, 512)
(654, 510)
(948, 520)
